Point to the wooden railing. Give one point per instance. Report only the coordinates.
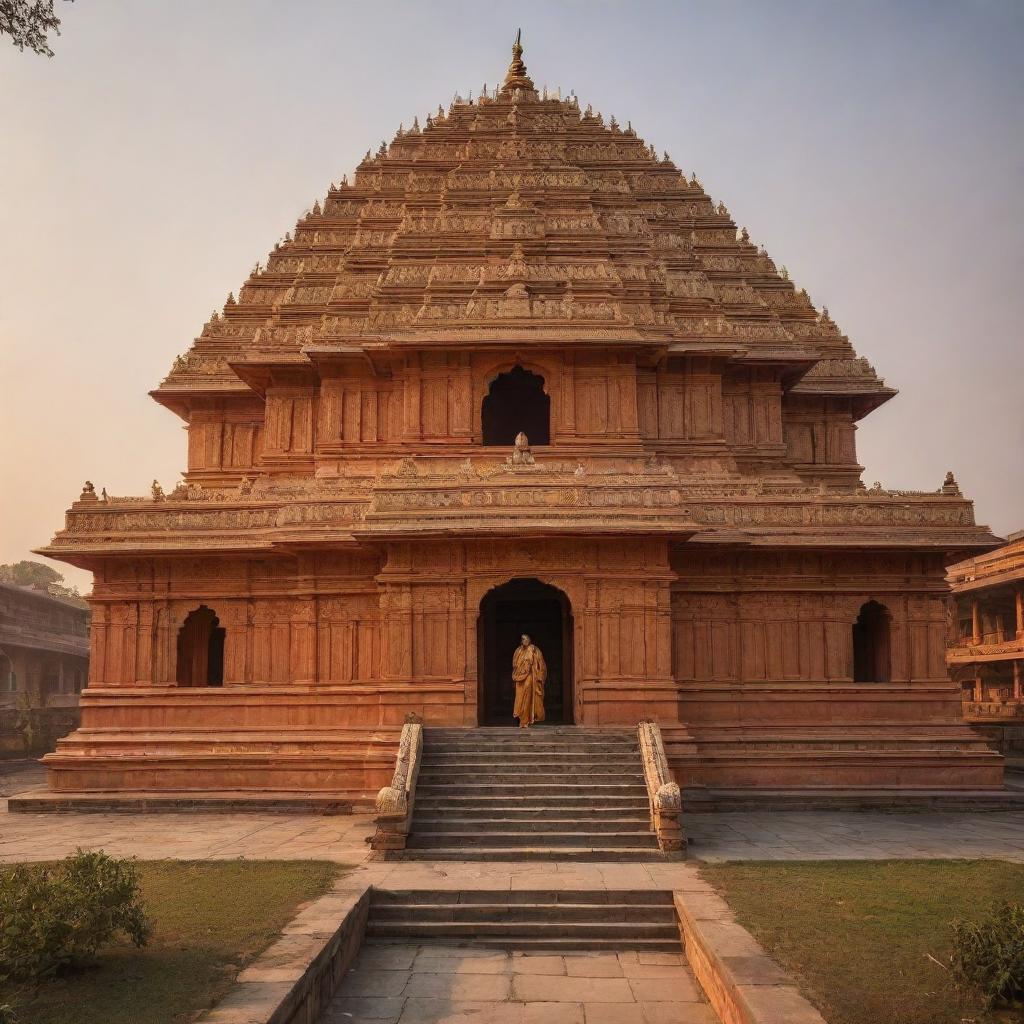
(395, 802)
(663, 795)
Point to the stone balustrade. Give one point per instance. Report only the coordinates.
(662, 790)
(395, 802)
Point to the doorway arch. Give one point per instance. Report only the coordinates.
(524, 605)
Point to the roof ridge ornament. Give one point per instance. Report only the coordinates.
(516, 76)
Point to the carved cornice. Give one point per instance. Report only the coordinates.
(561, 499)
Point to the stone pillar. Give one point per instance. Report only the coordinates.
(979, 693)
(975, 622)
(1019, 601)
(1017, 679)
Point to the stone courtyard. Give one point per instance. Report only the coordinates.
(743, 835)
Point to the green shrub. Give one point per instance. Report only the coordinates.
(57, 916)
(989, 955)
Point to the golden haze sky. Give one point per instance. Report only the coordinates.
(875, 149)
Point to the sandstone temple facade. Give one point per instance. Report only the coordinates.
(686, 536)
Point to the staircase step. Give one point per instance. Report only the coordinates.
(628, 766)
(528, 776)
(475, 930)
(549, 793)
(556, 897)
(421, 839)
(430, 788)
(546, 944)
(539, 915)
(525, 853)
(528, 807)
(535, 825)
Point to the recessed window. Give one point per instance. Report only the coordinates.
(871, 644)
(201, 649)
(516, 402)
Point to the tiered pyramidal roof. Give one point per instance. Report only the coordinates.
(521, 217)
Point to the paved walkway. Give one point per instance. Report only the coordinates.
(855, 835)
(412, 984)
(746, 835)
(814, 835)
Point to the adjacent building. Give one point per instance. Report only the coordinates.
(363, 533)
(44, 648)
(986, 646)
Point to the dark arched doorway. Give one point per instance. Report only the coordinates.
(871, 644)
(516, 402)
(201, 649)
(524, 606)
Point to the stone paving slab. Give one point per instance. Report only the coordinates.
(441, 986)
(745, 835)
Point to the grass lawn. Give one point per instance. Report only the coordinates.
(210, 919)
(857, 935)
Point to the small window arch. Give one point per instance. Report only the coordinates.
(871, 644)
(516, 401)
(201, 649)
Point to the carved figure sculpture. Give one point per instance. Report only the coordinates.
(529, 673)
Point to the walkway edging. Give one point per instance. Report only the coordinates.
(742, 983)
(294, 979)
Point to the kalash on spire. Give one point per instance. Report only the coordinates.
(517, 81)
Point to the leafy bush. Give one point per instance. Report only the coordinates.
(989, 955)
(57, 916)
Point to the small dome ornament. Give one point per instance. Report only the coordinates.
(949, 485)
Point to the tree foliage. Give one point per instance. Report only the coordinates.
(39, 576)
(29, 23)
(29, 574)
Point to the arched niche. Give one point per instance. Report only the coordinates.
(872, 654)
(516, 401)
(201, 649)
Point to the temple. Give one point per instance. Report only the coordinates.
(683, 529)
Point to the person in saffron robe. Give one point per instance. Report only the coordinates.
(529, 673)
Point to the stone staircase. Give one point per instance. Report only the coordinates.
(528, 921)
(547, 793)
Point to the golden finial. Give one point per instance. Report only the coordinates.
(516, 77)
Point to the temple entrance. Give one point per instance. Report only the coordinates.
(542, 611)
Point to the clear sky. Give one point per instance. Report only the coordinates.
(875, 149)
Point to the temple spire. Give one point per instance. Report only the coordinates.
(516, 77)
